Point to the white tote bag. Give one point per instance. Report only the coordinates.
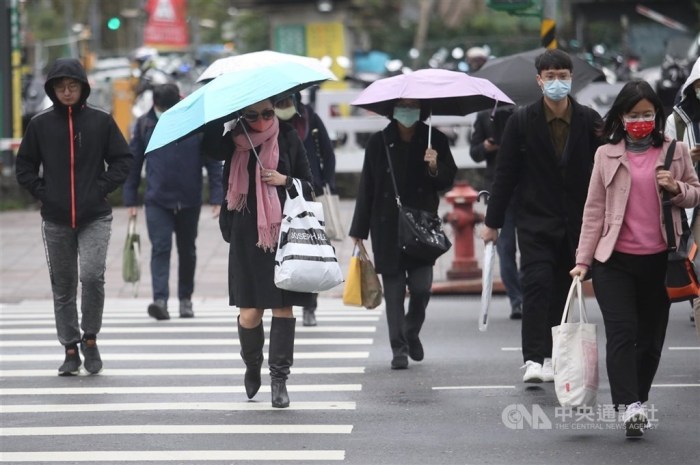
(575, 354)
(305, 260)
(331, 213)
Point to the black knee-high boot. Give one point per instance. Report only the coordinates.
(252, 341)
(281, 357)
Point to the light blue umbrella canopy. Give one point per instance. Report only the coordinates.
(229, 93)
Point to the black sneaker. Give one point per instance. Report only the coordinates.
(516, 313)
(186, 308)
(399, 362)
(71, 365)
(415, 349)
(309, 317)
(159, 310)
(93, 361)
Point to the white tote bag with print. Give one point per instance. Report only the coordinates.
(575, 354)
(305, 260)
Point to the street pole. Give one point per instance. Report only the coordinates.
(548, 26)
(426, 7)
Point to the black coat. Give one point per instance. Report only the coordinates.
(375, 208)
(83, 154)
(250, 268)
(550, 192)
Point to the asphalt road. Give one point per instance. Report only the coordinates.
(172, 392)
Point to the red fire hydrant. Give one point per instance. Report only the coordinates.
(463, 219)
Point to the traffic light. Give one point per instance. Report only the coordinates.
(114, 23)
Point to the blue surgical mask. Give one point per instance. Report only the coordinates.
(697, 93)
(406, 116)
(158, 113)
(557, 89)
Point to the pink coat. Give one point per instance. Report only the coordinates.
(608, 194)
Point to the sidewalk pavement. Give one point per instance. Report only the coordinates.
(24, 274)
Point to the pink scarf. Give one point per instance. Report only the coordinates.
(268, 202)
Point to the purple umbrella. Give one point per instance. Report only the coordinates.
(445, 92)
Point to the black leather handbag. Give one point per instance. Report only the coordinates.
(420, 232)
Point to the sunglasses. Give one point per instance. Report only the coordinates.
(252, 116)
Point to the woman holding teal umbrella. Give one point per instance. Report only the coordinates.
(262, 155)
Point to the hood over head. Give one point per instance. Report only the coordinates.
(694, 76)
(67, 68)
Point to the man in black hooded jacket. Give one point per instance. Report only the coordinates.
(84, 157)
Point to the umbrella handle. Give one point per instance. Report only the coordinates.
(430, 130)
(485, 195)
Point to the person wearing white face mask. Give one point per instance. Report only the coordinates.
(321, 156)
(545, 162)
(684, 125)
(421, 172)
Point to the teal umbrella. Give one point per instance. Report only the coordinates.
(229, 93)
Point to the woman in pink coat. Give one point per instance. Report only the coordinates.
(623, 241)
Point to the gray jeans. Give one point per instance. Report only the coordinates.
(67, 251)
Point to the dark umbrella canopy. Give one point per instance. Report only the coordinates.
(515, 75)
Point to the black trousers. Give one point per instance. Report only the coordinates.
(402, 324)
(545, 282)
(631, 293)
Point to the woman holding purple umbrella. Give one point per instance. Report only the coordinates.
(421, 169)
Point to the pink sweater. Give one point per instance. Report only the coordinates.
(608, 199)
(640, 233)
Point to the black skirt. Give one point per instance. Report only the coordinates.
(251, 277)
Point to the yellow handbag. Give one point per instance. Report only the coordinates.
(352, 293)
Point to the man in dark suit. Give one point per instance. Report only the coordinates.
(545, 161)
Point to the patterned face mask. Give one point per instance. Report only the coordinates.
(639, 129)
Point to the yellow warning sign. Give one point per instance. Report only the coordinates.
(547, 33)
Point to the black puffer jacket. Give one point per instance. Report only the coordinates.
(73, 144)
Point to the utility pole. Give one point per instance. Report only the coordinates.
(548, 25)
(426, 7)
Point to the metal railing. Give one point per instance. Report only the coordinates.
(351, 132)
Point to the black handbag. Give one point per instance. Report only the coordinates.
(681, 274)
(421, 234)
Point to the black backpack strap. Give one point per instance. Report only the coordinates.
(666, 202)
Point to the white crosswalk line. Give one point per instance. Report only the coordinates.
(187, 330)
(108, 390)
(232, 341)
(172, 456)
(197, 356)
(176, 429)
(156, 367)
(184, 371)
(150, 406)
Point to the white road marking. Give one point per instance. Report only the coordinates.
(36, 320)
(451, 388)
(176, 429)
(187, 329)
(153, 406)
(183, 371)
(232, 341)
(511, 349)
(685, 348)
(106, 390)
(675, 385)
(181, 456)
(170, 356)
